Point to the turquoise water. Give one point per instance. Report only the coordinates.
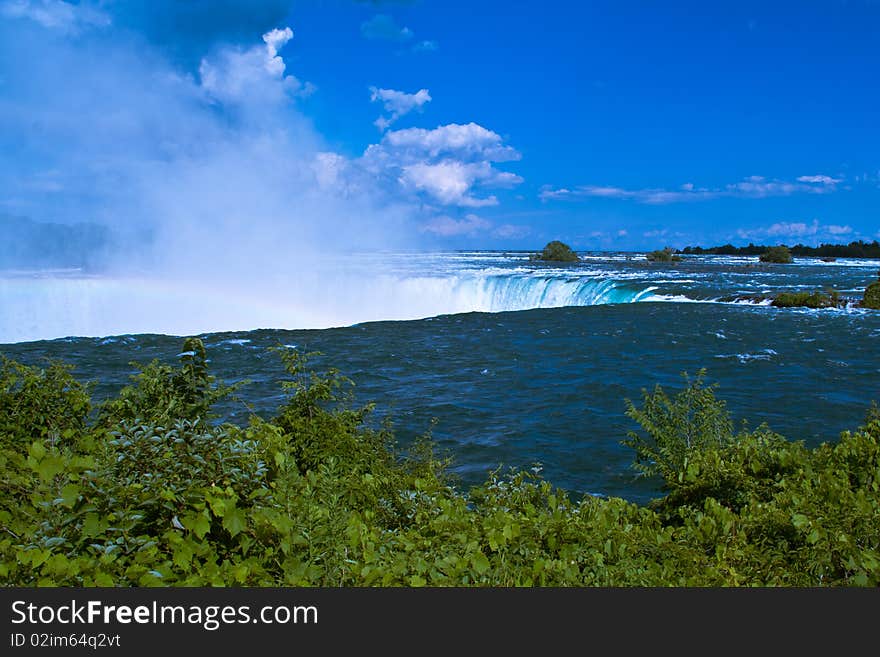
(537, 370)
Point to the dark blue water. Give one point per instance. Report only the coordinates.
(546, 385)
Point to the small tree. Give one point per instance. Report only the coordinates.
(677, 427)
(162, 393)
(668, 254)
(776, 254)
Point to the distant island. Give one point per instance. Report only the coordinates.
(555, 251)
(858, 249)
(667, 254)
(779, 254)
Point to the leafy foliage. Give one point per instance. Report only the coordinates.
(776, 254)
(160, 496)
(160, 393)
(556, 251)
(667, 254)
(41, 403)
(829, 299)
(676, 428)
(871, 298)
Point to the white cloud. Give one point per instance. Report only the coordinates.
(796, 230)
(450, 165)
(446, 164)
(750, 187)
(463, 141)
(450, 181)
(425, 46)
(254, 76)
(397, 103)
(56, 14)
(824, 180)
(472, 225)
(275, 40)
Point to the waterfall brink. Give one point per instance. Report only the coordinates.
(61, 304)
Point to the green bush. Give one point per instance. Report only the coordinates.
(313, 497)
(44, 403)
(676, 428)
(160, 393)
(830, 299)
(556, 251)
(871, 298)
(667, 254)
(776, 254)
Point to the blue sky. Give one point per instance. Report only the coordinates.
(427, 124)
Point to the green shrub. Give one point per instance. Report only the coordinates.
(871, 298)
(830, 299)
(41, 403)
(556, 251)
(668, 254)
(776, 254)
(676, 428)
(161, 394)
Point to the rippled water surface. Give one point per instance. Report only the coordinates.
(537, 368)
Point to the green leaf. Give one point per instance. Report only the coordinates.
(92, 525)
(103, 579)
(70, 495)
(183, 555)
(480, 562)
(799, 520)
(199, 524)
(49, 467)
(234, 521)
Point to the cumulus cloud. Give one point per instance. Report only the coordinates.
(56, 14)
(461, 141)
(751, 187)
(450, 165)
(254, 75)
(447, 164)
(397, 103)
(426, 46)
(450, 182)
(274, 40)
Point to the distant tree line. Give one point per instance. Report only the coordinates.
(857, 249)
